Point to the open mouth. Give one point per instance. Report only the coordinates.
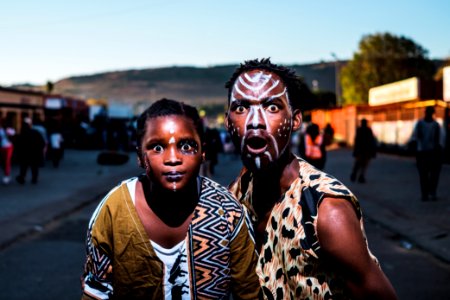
(256, 144)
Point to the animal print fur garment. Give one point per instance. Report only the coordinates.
(290, 264)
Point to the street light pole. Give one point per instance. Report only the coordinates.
(336, 79)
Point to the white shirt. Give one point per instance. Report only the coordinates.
(176, 271)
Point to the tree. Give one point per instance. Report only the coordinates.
(382, 58)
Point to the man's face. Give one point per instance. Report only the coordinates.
(171, 151)
(260, 119)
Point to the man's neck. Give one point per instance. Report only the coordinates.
(269, 184)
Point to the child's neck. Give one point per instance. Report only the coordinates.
(172, 207)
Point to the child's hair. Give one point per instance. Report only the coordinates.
(166, 107)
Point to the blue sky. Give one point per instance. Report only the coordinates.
(49, 39)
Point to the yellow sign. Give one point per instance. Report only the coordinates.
(446, 82)
(403, 90)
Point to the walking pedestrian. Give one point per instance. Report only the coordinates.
(6, 151)
(308, 226)
(364, 149)
(328, 135)
(38, 125)
(314, 146)
(30, 152)
(56, 150)
(429, 138)
(213, 146)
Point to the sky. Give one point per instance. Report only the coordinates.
(49, 40)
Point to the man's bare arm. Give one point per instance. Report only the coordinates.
(342, 241)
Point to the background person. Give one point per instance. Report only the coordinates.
(308, 225)
(429, 139)
(169, 234)
(314, 146)
(56, 150)
(328, 135)
(6, 151)
(364, 149)
(30, 152)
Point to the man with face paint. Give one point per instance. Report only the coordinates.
(308, 226)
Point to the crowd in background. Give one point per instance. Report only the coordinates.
(37, 142)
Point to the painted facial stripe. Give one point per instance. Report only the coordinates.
(253, 88)
(274, 96)
(258, 162)
(256, 88)
(240, 93)
(172, 140)
(254, 115)
(274, 85)
(268, 155)
(256, 77)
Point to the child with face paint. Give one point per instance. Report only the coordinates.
(169, 233)
(308, 226)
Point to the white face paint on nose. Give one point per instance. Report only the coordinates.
(256, 116)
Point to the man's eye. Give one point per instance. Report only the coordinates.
(157, 148)
(240, 109)
(272, 108)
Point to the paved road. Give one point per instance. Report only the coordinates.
(48, 265)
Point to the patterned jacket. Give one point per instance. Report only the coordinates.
(121, 263)
(289, 264)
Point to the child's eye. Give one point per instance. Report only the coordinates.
(189, 147)
(272, 108)
(186, 148)
(157, 148)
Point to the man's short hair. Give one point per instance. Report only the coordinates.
(294, 84)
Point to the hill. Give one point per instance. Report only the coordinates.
(194, 85)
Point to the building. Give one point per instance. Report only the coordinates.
(16, 104)
(392, 112)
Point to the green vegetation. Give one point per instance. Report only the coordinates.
(382, 58)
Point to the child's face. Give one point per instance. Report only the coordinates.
(171, 151)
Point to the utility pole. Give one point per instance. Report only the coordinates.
(337, 85)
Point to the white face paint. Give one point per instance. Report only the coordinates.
(258, 162)
(257, 87)
(170, 126)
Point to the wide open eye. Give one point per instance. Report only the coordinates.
(189, 147)
(157, 148)
(240, 109)
(273, 108)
